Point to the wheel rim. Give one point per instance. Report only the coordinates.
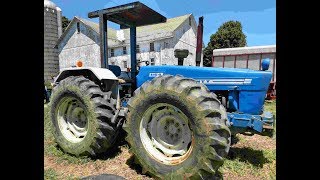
(165, 134)
(72, 119)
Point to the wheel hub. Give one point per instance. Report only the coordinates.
(165, 133)
(72, 119)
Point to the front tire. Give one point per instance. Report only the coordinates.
(177, 129)
(81, 117)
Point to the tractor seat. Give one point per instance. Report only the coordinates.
(115, 69)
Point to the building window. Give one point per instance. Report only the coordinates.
(189, 21)
(124, 50)
(152, 62)
(125, 64)
(78, 27)
(166, 45)
(151, 46)
(111, 52)
(138, 48)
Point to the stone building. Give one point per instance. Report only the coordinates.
(155, 43)
(52, 31)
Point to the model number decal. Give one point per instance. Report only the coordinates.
(225, 81)
(155, 74)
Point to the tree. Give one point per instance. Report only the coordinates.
(229, 35)
(65, 23)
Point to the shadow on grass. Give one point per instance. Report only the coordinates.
(115, 149)
(54, 149)
(268, 132)
(133, 165)
(234, 139)
(252, 156)
(265, 132)
(217, 176)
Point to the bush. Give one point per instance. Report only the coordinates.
(48, 84)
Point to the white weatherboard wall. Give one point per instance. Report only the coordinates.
(79, 46)
(185, 38)
(85, 45)
(161, 55)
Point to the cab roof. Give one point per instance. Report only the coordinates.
(131, 14)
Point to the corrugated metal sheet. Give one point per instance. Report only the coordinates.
(244, 50)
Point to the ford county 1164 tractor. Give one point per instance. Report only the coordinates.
(178, 119)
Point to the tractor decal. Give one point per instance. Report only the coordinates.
(155, 74)
(225, 81)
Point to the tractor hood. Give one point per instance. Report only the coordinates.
(247, 88)
(214, 78)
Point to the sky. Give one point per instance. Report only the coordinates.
(258, 17)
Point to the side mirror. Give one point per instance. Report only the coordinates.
(265, 64)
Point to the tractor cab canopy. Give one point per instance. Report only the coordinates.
(130, 16)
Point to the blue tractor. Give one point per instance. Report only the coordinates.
(178, 119)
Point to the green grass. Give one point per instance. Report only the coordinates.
(248, 159)
(250, 163)
(270, 106)
(50, 174)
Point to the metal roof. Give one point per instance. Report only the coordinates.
(112, 33)
(126, 15)
(169, 26)
(161, 29)
(244, 50)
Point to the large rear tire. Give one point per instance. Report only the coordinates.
(177, 129)
(81, 117)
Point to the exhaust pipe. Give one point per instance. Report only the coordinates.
(181, 54)
(199, 41)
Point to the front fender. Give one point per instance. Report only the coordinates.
(92, 73)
